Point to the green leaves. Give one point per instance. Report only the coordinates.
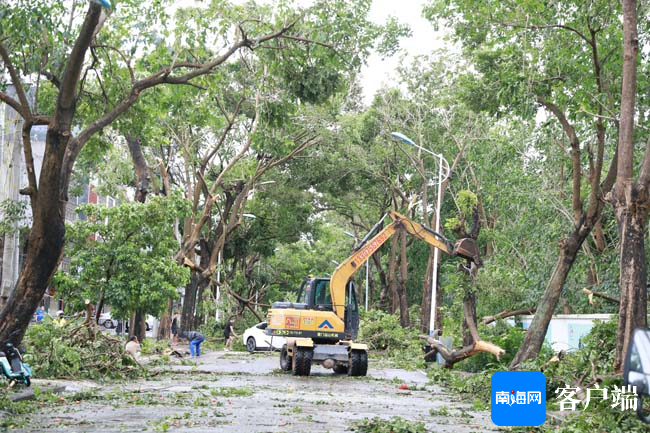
(12, 216)
(124, 255)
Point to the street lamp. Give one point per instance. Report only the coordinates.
(367, 269)
(443, 174)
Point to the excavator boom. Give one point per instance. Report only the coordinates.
(465, 248)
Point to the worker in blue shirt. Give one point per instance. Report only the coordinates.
(40, 313)
(195, 338)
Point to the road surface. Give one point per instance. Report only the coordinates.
(240, 392)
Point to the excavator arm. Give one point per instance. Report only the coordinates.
(465, 248)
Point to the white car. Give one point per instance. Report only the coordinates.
(254, 339)
(108, 322)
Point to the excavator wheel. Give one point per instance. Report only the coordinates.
(358, 363)
(285, 359)
(340, 369)
(302, 361)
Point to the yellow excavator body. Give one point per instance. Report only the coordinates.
(326, 313)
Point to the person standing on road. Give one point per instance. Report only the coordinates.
(195, 338)
(40, 314)
(229, 334)
(174, 329)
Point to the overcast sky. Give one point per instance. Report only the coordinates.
(424, 40)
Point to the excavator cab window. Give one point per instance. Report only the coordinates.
(351, 311)
(305, 292)
(322, 296)
(315, 293)
(351, 297)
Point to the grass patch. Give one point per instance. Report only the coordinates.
(392, 425)
(244, 391)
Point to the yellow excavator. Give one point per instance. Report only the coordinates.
(322, 325)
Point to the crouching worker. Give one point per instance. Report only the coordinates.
(195, 339)
(133, 347)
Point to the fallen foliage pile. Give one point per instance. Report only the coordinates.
(385, 336)
(76, 349)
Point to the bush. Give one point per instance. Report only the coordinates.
(595, 358)
(383, 332)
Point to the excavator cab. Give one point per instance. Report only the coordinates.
(315, 294)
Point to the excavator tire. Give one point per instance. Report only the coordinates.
(340, 369)
(285, 359)
(302, 361)
(358, 363)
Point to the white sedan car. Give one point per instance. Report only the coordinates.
(107, 321)
(254, 339)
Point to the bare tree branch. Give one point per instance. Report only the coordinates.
(12, 103)
(22, 108)
(575, 155)
(507, 313)
(591, 294)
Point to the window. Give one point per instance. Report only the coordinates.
(322, 294)
(351, 297)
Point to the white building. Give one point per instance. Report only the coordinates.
(566, 331)
(13, 177)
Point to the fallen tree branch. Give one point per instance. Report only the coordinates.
(591, 294)
(507, 313)
(453, 356)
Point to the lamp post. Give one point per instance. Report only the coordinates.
(367, 269)
(443, 174)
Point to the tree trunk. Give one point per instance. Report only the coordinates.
(141, 168)
(404, 319)
(632, 280)
(469, 318)
(44, 252)
(536, 333)
(630, 198)
(164, 326)
(198, 313)
(100, 307)
(392, 280)
(189, 301)
(383, 281)
(599, 236)
(139, 328)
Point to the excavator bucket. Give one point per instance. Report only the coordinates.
(468, 249)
